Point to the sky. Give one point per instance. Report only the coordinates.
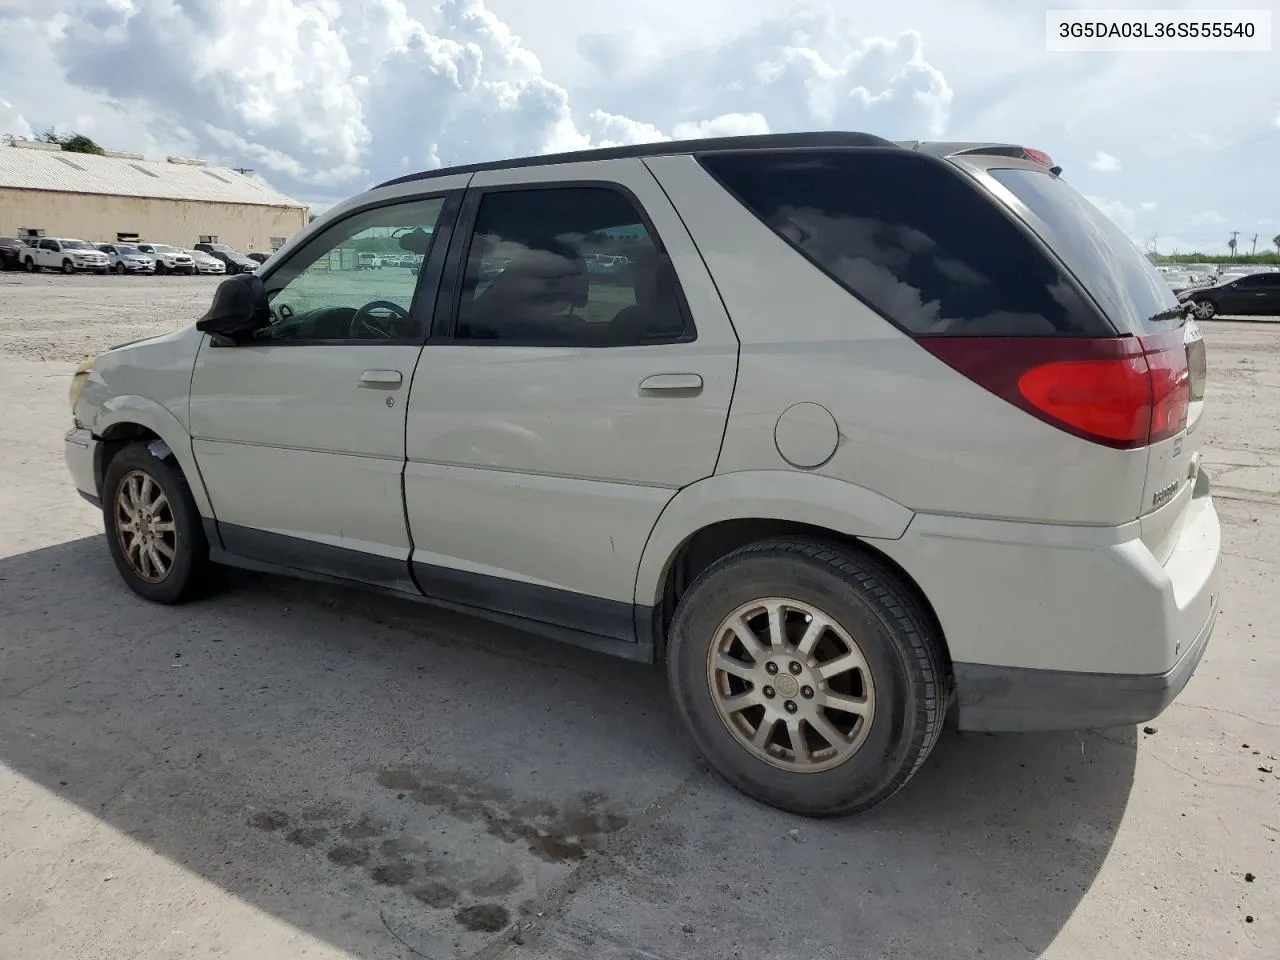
(323, 98)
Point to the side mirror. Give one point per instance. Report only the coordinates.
(239, 307)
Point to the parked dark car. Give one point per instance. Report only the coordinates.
(235, 261)
(1255, 293)
(11, 253)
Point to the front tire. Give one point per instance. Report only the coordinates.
(154, 531)
(808, 674)
(161, 269)
(120, 269)
(1205, 309)
(68, 267)
(30, 266)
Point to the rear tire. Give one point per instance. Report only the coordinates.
(861, 613)
(154, 531)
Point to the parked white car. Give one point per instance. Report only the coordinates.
(169, 259)
(126, 258)
(853, 443)
(67, 255)
(206, 264)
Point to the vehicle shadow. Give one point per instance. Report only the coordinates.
(394, 780)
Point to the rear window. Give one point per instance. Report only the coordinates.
(913, 239)
(1128, 288)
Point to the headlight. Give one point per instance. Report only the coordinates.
(78, 380)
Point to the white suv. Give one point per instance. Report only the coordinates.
(169, 259)
(864, 432)
(126, 258)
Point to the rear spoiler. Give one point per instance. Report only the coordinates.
(945, 149)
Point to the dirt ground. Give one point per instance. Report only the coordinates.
(289, 771)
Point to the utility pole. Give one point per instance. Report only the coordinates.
(1231, 244)
(1254, 251)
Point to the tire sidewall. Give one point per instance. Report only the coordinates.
(68, 267)
(862, 779)
(191, 546)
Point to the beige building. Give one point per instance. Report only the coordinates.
(121, 197)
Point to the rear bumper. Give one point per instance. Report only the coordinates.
(79, 449)
(996, 699)
(1067, 627)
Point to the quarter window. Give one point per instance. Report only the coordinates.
(915, 241)
(350, 282)
(567, 266)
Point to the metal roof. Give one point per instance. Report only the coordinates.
(758, 141)
(23, 168)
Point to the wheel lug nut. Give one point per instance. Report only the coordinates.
(770, 667)
(806, 692)
(790, 706)
(795, 667)
(768, 692)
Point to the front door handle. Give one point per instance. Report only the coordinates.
(672, 382)
(381, 379)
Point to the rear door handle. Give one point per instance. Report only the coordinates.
(381, 379)
(683, 382)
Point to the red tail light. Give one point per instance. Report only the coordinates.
(1039, 156)
(1122, 392)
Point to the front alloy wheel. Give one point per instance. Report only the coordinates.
(145, 527)
(153, 527)
(1204, 309)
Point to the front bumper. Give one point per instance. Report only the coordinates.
(80, 450)
(138, 267)
(995, 699)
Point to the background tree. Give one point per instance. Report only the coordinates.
(72, 142)
(1276, 240)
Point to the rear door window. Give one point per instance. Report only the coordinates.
(1107, 263)
(916, 240)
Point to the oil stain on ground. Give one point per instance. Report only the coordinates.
(554, 834)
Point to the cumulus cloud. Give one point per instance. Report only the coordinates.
(1104, 162)
(324, 96)
(12, 123)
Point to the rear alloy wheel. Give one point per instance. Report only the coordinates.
(154, 531)
(809, 675)
(68, 266)
(1204, 309)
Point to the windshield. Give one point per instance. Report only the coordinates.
(163, 248)
(1127, 287)
(127, 251)
(223, 248)
(77, 245)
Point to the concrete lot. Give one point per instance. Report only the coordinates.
(288, 771)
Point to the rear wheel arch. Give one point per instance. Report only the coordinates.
(707, 545)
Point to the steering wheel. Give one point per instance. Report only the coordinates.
(365, 326)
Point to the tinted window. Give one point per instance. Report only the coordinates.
(911, 238)
(48, 245)
(567, 266)
(326, 291)
(1129, 289)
